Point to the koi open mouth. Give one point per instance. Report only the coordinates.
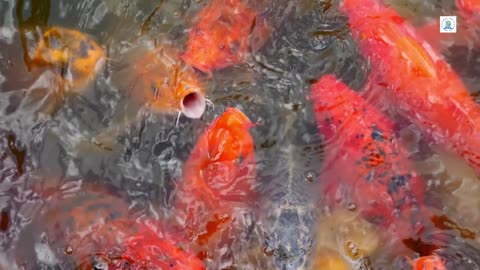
(193, 105)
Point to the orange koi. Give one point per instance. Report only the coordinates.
(218, 177)
(431, 262)
(75, 57)
(167, 84)
(92, 227)
(365, 166)
(415, 79)
(223, 36)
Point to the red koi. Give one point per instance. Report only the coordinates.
(218, 177)
(365, 165)
(415, 79)
(223, 36)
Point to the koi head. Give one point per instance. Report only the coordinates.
(192, 104)
(169, 85)
(229, 138)
(229, 169)
(188, 92)
(222, 163)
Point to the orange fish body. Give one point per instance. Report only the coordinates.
(218, 176)
(91, 227)
(415, 79)
(365, 167)
(431, 262)
(74, 56)
(223, 35)
(167, 84)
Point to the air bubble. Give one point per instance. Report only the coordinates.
(68, 250)
(310, 176)
(352, 206)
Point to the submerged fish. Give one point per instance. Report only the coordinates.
(365, 168)
(218, 180)
(289, 192)
(90, 229)
(153, 77)
(69, 60)
(414, 79)
(74, 56)
(225, 33)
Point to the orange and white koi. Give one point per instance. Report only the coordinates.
(415, 79)
(74, 56)
(224, 34)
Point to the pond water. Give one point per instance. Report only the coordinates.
(81, 158)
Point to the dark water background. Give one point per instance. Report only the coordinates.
(310, 38)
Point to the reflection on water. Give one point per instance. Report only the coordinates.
(101, 153)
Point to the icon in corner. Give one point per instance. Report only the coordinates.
(448, 24)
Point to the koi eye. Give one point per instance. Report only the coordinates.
(240, 159)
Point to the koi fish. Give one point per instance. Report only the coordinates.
(223, 36)
(380, 181)
(154, 77)
(91, 227)
(74, 56)
(415, 79)
(218, 178)
(430, 262)
(167, 84)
